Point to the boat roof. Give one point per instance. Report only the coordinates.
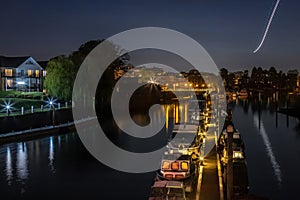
(186, 128)
(236, 135)
(174, 184)
(176, 157)
(160, 184)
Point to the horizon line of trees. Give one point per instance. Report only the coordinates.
(62, 71)
(260, 79)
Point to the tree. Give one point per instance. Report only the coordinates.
(60, 77)
(78, 56)
(224, 73)
(62, 70)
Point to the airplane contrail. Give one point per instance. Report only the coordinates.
(268, 26)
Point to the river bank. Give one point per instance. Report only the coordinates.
(15, 128)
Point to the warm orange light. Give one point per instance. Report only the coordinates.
(8, 72)
(175, 166)
(166, 165)
(184, 166)
(179, 176)
(176, 115)
(169, 176)
(167, 116)
(29, 72)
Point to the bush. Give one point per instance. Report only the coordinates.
(19, 94)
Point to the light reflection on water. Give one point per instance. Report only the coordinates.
(9, 169)
(272, 148)
(269, 150)
(51, 155)
(22, 162)
(17, 156)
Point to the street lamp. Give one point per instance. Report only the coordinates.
(51, 104)
(8, 107)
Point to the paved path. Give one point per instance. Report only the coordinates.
(210, 179)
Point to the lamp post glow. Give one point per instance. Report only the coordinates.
(8, 107)
(51, 104)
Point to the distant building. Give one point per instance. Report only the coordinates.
(21, 74)
(292, 77)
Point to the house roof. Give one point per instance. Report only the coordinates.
(12, 61)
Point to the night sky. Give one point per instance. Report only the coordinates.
(228, 29)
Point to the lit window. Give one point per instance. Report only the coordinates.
(184, 166)
(29, 72)
(8, 72)
(37, 73)
(238, 155)
(166, 165)
(175, 166)
(10, 83)
(44, 73)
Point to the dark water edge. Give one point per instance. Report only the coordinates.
(59, 167)
(272, 149)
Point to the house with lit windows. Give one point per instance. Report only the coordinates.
(21, 74)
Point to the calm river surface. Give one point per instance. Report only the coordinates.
(272, 150)
(60, 167)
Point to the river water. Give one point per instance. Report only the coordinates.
(59, 167)
(272, 149)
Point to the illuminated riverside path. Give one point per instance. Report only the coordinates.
(60, 167)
